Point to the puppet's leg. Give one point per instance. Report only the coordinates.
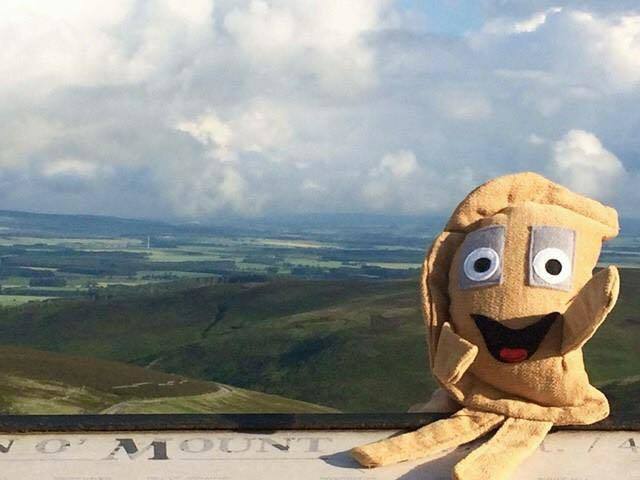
(498, 458)
(464, 426)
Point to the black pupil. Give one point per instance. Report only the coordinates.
(553, 266)
(481, 265)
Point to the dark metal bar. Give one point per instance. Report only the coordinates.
(248, 422)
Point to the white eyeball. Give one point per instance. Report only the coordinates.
(481, 264)
(552, 265)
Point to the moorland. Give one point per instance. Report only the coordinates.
(102, 314)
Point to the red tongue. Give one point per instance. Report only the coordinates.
(513, 355)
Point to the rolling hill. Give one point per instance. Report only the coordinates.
(354, 345)
(309, 340)
(33, 382)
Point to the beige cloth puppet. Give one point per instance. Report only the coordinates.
(509, 299)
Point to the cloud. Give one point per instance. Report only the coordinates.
(464, 105)
(398, 182)
(72, 176)
(508, 26)
(581, 162)
(325, 41)
(73, 43)
(611, 47)
(171, 108)
(398, 164)
(70, 167)
(208, 183)
(202, 189)
(209, 130)
(386, 183)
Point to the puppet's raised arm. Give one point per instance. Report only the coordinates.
(434, 286)
(589, 308)
(453, 356)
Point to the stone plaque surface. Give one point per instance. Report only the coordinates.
(288, 455)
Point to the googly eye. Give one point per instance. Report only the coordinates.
(481, 264)
(552, 265)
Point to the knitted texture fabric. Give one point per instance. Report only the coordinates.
(509, 299)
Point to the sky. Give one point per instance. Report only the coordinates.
(173, 109)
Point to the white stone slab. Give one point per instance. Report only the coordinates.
(287, 455)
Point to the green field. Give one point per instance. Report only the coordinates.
(73, 267)
(15, 300)
(70, 256)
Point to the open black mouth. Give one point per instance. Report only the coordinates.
(509, 345)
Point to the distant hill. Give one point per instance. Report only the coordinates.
(12, 221)
(46, 225)
(92, 226)
(33, 382)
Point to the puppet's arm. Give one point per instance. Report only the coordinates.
(453, 356)
(497, 459)
(589, 308)
(464, 426)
